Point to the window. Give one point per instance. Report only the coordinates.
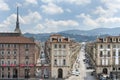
(114, 46)
(113, 39)
(55, 46)
(26, 45)
(2, 74)
(26, 62)
(101, 54)
(59, 40)
(64, 62)
(2, 62)
(14, 52)
(2, 52)
(114, 54)
(113, 68)
(14, 45)
(119, 53)
(104, 39)
(55, 62)
(108, 46)
(8, 45)
(2, 45)
(108, 53)
(64, 46)
(8, 74)
(15, 62)
(8, 62)
(101, 46)
(8, 52)
(119, 68)
(59, 45)
(8, 68)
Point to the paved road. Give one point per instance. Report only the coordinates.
(85, 74)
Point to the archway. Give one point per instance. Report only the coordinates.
(60, 73)
(27, 73)
(105, 71)
(15, 73)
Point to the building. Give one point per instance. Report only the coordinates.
(106, 54)
(59, 52)
(17, 54)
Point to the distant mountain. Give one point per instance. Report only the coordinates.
(94, 32)
(79, 35)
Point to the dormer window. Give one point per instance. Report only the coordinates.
(59, 40)
(104, 39)
(113, 39)
(116, 39)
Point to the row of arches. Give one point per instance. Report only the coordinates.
(15, 73)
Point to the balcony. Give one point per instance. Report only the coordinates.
(103, 65)
(10, 65)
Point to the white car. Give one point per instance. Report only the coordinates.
(76, 72)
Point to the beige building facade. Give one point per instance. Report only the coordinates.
(106, 55)
(59, 51)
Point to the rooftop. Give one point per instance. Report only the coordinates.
(15, 39)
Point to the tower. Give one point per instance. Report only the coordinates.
(17, 29)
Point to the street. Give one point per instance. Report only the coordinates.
(85, 74)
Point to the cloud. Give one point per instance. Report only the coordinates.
(68, 10)
(32, 17)
(39, 28)
(52, 9)
(48, 1)
(55, 26)
(10, 21)
(76, 2)
(4, 6)
(109, 8)
(87, 20)
(108, 20)
(31, 1)
(62, 23)
(99, 21)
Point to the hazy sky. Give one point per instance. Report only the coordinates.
(39, 16)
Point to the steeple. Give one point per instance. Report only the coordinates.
(17, 29)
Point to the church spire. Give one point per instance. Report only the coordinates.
(17, 29)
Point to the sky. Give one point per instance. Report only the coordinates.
(46, 16)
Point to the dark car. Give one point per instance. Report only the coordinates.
(93, 73)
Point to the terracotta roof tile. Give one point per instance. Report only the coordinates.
(15, 39)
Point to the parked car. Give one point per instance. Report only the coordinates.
(76, 72)
(93, 73)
